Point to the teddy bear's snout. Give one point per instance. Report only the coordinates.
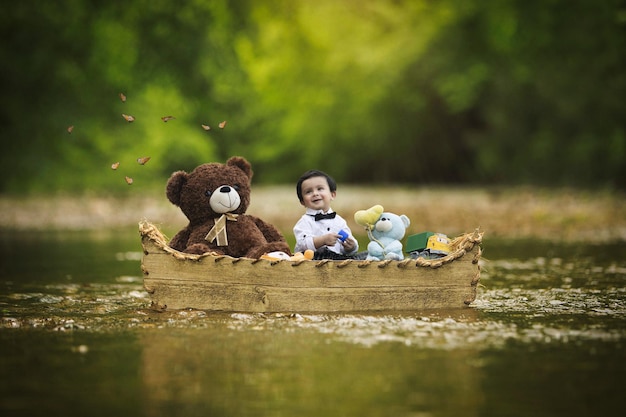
(225, 200)
(383, 225)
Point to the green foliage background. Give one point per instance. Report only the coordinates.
(409, 92)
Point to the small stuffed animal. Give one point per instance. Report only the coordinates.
(307, 255)
(385, 233)
(214, 197)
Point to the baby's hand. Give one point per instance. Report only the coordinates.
(330, 239)
(349, 245)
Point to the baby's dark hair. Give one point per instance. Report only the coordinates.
(315, 173)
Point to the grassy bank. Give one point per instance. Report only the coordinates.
(562, 215)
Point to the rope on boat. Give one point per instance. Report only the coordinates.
(322, 262)
(463, 244)
(344, 263)
(404, 263)
(383, 264)
(476, 278)
(474, 283)
(477, 256)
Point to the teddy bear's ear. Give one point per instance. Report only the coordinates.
(405, 220)
(242, 164)
(175, 185)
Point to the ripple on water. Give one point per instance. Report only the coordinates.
(540, 300)
(434, 332)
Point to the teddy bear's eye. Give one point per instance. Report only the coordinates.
(236, 187)
(207, 193)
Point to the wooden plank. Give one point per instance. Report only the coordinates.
(173, 294)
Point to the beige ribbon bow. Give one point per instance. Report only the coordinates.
(218, 231)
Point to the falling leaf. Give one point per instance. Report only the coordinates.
(143, 160)
(70, 129)
(222, 124)
(128, 118)
(123, 97)
(167, 118)
(115, 165)
(129, 180)
(206, 127)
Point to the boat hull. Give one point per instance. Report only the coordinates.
(176, 280)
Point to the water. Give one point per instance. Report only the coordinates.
(545, 337)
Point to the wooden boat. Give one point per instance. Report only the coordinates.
(177, 280)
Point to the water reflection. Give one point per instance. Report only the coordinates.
(268, 371)
(77, 338)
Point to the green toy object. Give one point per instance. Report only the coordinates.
(428, 245)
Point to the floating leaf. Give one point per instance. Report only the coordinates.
(123, 97)
(206, 127)
(70, 129)
(129, 180)
(143, 160)
(115, 165)
(167, 118)
(128, 118)
(222, 125)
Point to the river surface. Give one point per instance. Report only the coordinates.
(545, 337)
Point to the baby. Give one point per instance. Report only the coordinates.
(320, 228)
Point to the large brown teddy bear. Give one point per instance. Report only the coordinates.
(214, 197)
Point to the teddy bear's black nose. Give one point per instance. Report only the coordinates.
(225, 189)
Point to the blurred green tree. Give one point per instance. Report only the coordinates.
(409, 91)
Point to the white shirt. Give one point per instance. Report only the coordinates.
(307, 228)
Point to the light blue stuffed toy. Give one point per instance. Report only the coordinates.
(385, 237)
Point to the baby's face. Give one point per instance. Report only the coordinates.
(316, 194)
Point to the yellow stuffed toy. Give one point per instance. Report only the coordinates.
(368, 218)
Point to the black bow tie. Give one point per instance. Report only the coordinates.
(320, 216)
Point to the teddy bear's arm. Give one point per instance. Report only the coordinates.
(179, 241)
(273, 239)
(270, 232)
(395, 246)
(374, 248)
